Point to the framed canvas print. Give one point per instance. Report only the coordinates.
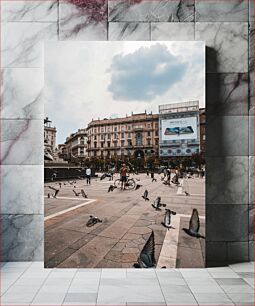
(124, 154)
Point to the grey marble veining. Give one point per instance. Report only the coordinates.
(251, 69)
(76, 23)
(227, 94)
(22, 10)
(21, 93)
(251, 135)
(21, 142)
(22, 237)
(251, 222)
(227, 135)
(251, 10)
(129, 31)
(251, 180)
(23, 43)
(228, 41)
(21, 189)
(234, 228)
(175, 31)
(234, 10)
(151, 10)
(227, 180)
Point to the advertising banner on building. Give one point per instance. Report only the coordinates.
(180, 128)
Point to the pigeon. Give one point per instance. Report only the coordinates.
(103, 177)
(111, 188)
(145, 195)
(146, 258)
(167, 218)
(194, 225)
(83, 193)
(166, 183)
(76, 193)
(186, 193)
(137, 186)
(157, 204)
(56, 193)
(92, 221)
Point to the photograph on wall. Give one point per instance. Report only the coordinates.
(124, 155)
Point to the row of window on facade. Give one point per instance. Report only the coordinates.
(120, 128)
(138, 142)
(115, 135)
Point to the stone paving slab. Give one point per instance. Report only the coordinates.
(127, 223)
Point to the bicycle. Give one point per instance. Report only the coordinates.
(130, 183)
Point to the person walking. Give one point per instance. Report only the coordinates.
(123, 176)
(88, 175)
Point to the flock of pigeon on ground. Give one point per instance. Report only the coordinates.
(146, 258)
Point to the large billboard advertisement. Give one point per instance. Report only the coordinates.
(181, 128)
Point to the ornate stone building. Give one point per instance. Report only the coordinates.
(76, 145)
(132, 137)
(49, 136)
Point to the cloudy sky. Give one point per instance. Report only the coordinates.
(85, 80)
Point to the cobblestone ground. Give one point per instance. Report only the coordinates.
(127, 223)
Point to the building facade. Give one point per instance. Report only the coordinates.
(135, 136)
(49, 136)
(179, 129)
(75, 146)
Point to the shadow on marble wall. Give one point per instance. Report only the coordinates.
(228, 218)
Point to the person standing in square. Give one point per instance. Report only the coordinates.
(88, 175)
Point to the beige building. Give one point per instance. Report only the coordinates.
(49, 136)
(76, 145)
(132, 136)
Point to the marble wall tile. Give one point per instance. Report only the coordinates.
(251, 135)
(227, 180)
(21, 189)
(227, 45)
(21, 142)
(237, 251)
(175, 31)
(251, 69)
(227, 94)
(23, 10)
(251, 222)
(227, 223)
(151, 10)
(22, 43)
(22, 237)
(21, 93)
(129, 31)
(77, 22)
(216, 253)
(251, 10)
(227, 135)
(251, 180)
(251, 250)
(234, 10)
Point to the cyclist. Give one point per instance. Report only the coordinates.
(123, 176)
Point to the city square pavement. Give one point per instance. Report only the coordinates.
(127, 222)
